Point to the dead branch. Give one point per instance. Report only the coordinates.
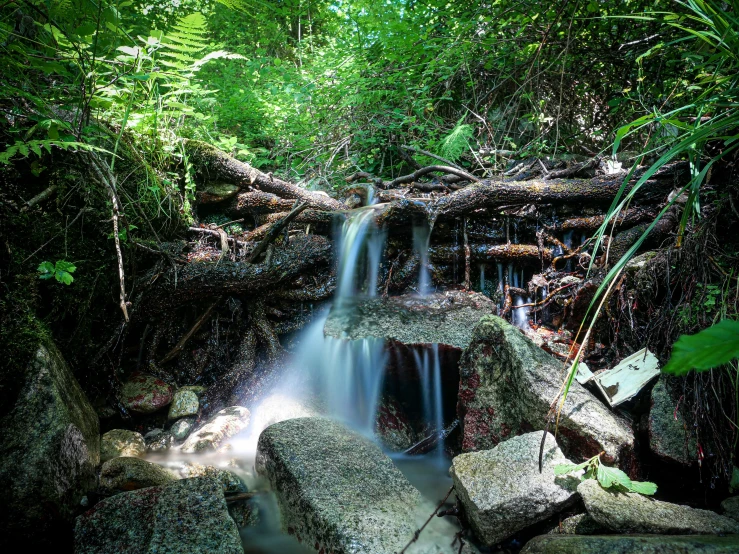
(573, 170)
(257, 202)
(425, 171)
(213, 164)
(216, 233)
(430, 155)
(40, 197)
(418, 531)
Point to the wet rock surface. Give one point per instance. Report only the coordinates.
(184, 517)
(219, 428)
(668, 434)
(232, 483)
(502, 490)
(626, 544)
(49, 449)
(184, 403)
(128, 474)
(580, 524)
(625, 512)
(336, 490)
(443, 318)
(158, 440)
(121, 442)
(393, 427)
(507, 385)
(145, 394)
(730, 507)
(181, 428)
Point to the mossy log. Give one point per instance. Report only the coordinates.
(598, 190)
(198, 280)
(213, 164)
(626, 239)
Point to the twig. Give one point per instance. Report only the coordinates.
(83, 210)
(214, 233)
(229, 223)
(275, 230)
(240, 496)
(199, 323)
(573, 170)
(418, 532)
(426, 170)
(430, 155)
(547, 299)
(40, 197)
(427, 443)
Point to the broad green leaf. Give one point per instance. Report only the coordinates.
(64, 277)
(643, 487)
(63, 265)
(46, 269)
(609, 476)
(562, 469)
(717, 345)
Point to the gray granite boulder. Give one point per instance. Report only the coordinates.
(49, 450)
(220, 427)
(669, 436)
(392, 426)
(128, 474)
(145, 394)
(441, 318)
(580, 524)
(121, 442)
(185, 403)
(507, 385)
(336, 490)
(232, 483)
(184, 517)
(502, 490)
(158, 440)
(730, 507)
(628, 512)
(628, 544)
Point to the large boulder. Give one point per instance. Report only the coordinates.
(507, 385)
(502, 490)
(219, 428)
(669, 436)
(336, 490)
(128, 474)
(49, 450)
(626, 544)
(730, 507)
(629, 512)
(443, 318)
(184, 517)
(121, 442)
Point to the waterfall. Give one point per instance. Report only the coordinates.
(429, 369)
(360, 252)
(421, 236)
(520, 316)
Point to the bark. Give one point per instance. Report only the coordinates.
(214, 165)
(257, 202)
(626, 239)
(599, 190)
(632, 216)
(274, 230)
(523, 253)
(199, 280)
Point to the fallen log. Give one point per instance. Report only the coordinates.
(213, 164)
(601, 189)
(274, 230)
(632, 216)
(523, 253)
(198, 280)
(257, 202)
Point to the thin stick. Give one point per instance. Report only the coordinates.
(275, 230)
(430, 169)
(418, 532)
(547, 299)
(430, 155)
(199, 323)
(229, 223)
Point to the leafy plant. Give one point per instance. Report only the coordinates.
(61, 271)
(712, 347)
(608, 477)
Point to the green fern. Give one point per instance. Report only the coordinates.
(456, 142)
(25, 148)
(184, 42)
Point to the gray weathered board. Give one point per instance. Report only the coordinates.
(624, 381)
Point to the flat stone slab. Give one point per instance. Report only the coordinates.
(127, 474)
(626, 544)
(669, 435)
(628, 512)
(336, 490)
(442, 318)
(502, 490)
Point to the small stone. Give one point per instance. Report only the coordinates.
(502, 490)
(121, 442)
(623, 544)
(730, 507)
(185, 403)
(182, 428)
(158, 440)
(222, 426)
(145, 394)
(128, 474)
(629, 512)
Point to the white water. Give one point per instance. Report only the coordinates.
(421, 236)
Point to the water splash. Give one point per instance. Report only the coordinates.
(520, 315)
(421, 237)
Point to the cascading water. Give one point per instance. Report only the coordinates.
(360, 253)
(421, 236)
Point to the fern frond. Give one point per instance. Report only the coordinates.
(456, 142)
(24, 148)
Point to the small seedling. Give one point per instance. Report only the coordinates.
(608, 477)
